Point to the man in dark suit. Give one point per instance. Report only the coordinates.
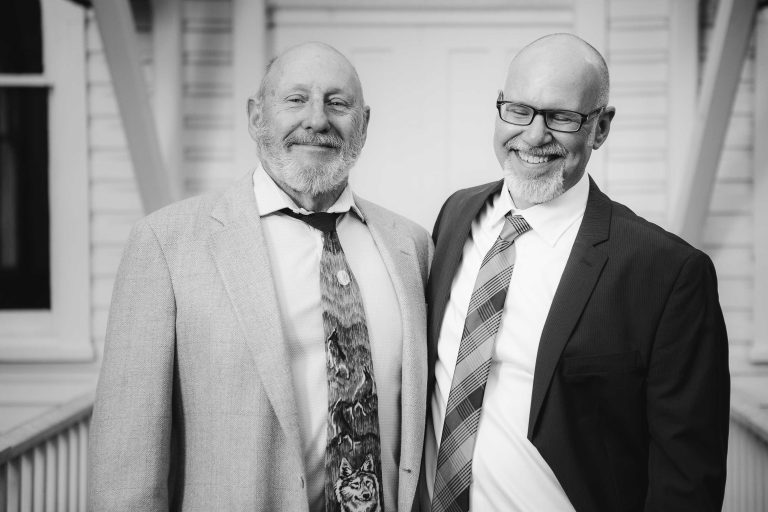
(595, 378)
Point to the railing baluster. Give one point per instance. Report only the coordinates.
(38, 478)
(74, 463)
(3, 487)
(82, 431)
(50, 475)
(62, 459)
(26, 482)
(13, 485)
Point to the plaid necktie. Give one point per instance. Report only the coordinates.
(465, 401)
(353, 451)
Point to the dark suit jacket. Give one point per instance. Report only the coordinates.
(631, 388)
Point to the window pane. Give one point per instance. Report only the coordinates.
(21, 42)
(24, 231)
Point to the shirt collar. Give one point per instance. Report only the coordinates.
(551, 219)
(270, 198)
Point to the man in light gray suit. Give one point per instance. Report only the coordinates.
(215, 385)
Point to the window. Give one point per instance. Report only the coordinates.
(24, 248)
(44, 263)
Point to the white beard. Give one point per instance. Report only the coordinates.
(314, 179)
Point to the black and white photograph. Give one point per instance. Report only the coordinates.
(384, 255)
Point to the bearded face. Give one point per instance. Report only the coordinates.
(539, 185)
(308, 175)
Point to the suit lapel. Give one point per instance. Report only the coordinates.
(399, 256)
(240, 255)
(451, 232)
(585, 263)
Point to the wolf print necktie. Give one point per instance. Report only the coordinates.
(465, 400)
(353, 451)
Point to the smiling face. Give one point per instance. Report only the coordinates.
(310, 122)
(559, 72)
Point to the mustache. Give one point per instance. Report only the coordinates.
(314, 139)
(550, 148)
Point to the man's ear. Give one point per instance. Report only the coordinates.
(603, 126)
(366, 118)
(254, 114)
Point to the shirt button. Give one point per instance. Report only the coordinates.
(301, 479)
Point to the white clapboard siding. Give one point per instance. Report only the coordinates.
(636, 164)
(208, 96)
(740, 327)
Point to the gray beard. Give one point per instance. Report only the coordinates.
(534, 189)
(314, 179)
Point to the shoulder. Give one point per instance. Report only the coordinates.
(459, 198)
(384, 216)
(463, 201)
(646, 240)
(403, 226)
(179, 220)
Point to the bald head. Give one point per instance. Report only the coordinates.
(311, 52)
(554, 114)
(567, 54)
(309, 122)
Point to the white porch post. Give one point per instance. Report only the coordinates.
(168, 69)
(729, 43)
(759, 352)
(115, 22)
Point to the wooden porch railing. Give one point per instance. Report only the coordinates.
(43, 462)
(747, 487)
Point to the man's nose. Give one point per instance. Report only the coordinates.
(537, 132)
(315, 117)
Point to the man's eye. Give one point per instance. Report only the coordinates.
(517, 110)
(337, 104)
(562, 117)
(295, 99)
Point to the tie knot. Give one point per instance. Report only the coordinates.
(515, 226)
(324, 221)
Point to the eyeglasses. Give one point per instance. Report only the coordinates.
(521, 114)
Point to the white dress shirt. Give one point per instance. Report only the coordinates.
(508, 473)
(294, 252)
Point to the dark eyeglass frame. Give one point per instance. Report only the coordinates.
(584, 117)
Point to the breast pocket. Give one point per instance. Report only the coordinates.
(605, 389)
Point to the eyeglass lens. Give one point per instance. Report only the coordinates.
(559, 120)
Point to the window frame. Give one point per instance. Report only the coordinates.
(62, 333)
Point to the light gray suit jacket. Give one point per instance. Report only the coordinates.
(195, 406)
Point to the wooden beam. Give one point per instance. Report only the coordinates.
(167, 64)
(116, 26)
(759, 351)
(722, 72)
